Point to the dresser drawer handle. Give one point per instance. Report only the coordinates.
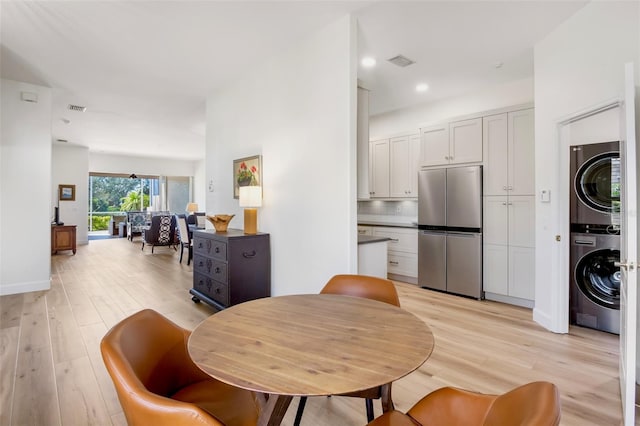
(217, 270)
(208, 245)
(218, 290)
(391, 262)
(249, 255)
(217, 250)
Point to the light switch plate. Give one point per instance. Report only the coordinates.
(545, 196)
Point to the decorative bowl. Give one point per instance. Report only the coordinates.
(220, 221)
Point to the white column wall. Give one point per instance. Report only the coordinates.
(577, 66)
(297, 110)
(70, 166)
(25, 182)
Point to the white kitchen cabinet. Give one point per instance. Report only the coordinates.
(379, 169)
(402, 251)
(363, 143)
(457, 142)
(365, 230)
(465, 141)
(405, 264)
(509, 153)
(403, 166)
(522, 272)
(495, 270)
(372, 259)
(434, 145)
(509, 247)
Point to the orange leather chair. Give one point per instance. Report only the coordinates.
(158, 384)
(379, 289)
(533, 404)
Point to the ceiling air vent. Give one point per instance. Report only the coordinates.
(401, 61)
(77, 108)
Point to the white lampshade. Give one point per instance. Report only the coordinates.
(250, 196)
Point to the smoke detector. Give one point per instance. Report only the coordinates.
(77, 108)
(401, 61)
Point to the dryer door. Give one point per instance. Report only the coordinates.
(598, 279)
(597, 183)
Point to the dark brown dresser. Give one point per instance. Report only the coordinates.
(230, 267)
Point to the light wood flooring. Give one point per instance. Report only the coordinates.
(52, 372)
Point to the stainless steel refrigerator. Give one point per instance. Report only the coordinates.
(450, 223)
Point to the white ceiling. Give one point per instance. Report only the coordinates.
(145, 69)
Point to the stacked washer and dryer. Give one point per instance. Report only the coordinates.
(595, 236)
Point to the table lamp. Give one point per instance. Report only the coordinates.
(192, 207)
(251, 197)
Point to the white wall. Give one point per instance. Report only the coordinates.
(110, 163)
(200, 185)
(411, 119)
(578, 66)
(298, 110)
(70, 166)
(25, 182)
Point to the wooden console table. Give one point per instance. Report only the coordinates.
(63, 237)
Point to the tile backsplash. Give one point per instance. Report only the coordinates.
(407, 208)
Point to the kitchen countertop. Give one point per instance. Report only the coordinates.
(382, 220)
(369, 239)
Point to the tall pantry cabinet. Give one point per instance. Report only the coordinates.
(509, 206)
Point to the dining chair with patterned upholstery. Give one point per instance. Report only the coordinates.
(374, 288)
(158, 384)
(160, 233)
(532, 404)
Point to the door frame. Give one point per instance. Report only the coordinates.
(560, 300)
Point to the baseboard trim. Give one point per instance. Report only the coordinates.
(403, 278)
(509, 300)
(546, 321)
(27, 287)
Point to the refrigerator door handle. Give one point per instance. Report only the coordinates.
(464, 234)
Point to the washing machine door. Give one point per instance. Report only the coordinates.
(598, 279)
(597, 183)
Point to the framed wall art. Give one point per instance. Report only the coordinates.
(246, 172)
(67, 192)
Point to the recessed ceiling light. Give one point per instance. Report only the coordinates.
(422, 87)
(368, 62)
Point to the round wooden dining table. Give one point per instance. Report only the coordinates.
(309, 345)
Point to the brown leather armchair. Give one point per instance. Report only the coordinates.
(158, 384)
(533, 404)
(374, 288)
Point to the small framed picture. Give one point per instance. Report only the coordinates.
(246, 172)
(67, 192)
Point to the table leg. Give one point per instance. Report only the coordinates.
(272, 409)
(385, 398)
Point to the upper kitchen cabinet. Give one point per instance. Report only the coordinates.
(363, 143)
(379, 169)
(465, 141)
(457, 142)
(434, 145)
(404, 164)
(509, 153)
